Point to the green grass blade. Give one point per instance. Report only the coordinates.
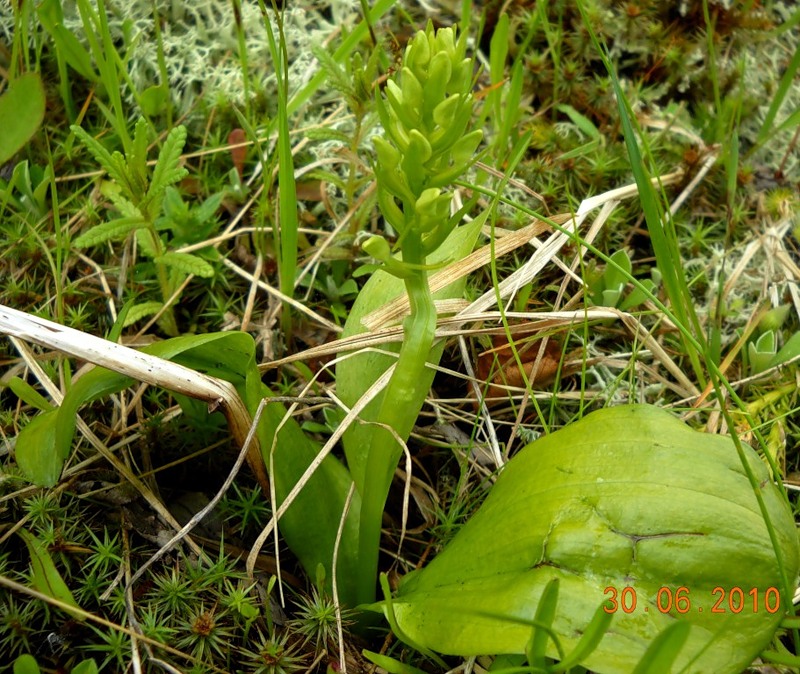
(663, 650)
(780, 95)
(592, 636)
(29, 395)
(44, 575)
(545, 614)
(659, 223)
(287, 211)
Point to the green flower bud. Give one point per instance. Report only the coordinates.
(464, 152)
(418, 147)
(377, 247)
(461, 77)
(413, 164)
(450, 133)
(392, 125)
(413, 96)
(388, 155)
(405, 113)
(463, 156)
(439, 74)
(418, 53)
(444, 113)
(432, 209)
(444, 42)
(388, 170)
(391, 211)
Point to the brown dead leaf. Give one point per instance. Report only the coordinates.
(236, 140)
(499, 367)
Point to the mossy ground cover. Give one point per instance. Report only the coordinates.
(713, 91)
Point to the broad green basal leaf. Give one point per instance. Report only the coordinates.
(628, 497)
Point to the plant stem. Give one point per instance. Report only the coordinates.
(418, 335)
(168, 323)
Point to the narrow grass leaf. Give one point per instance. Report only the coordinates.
(390, 664)
(588, 643)
(287, 188)
(786, 659)
(95, 23)
(787, 79)
(536, 649)
(21, 114)
(68, 47)
(512, 107)
(29, 395)
(498, 53)
(44, 574)
(664, 649)
(659, 224)
(581, 121)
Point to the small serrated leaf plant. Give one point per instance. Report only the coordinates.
(148, 205)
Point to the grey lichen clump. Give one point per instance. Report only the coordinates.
(201, 45)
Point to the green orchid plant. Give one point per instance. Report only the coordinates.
(426, 115)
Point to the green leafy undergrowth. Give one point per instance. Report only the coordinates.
(150, 210)
(309, 525)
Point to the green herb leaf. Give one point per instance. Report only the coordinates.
(25, 392)
(21, 114)
(116, 230)
(26, 664)
(186, 264)
(44, 575)
(168, 170)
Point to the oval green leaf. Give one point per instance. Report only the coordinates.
(21, 114)
(628, 497)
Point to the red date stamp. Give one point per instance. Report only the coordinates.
(679, 600)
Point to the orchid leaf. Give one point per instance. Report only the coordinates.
(628, 497)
